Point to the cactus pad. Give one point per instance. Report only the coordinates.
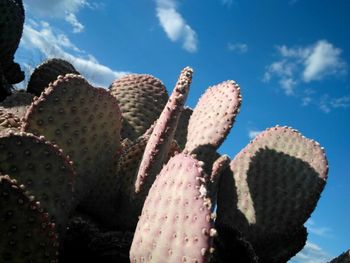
(343, 258)
(8, 121)
(277, 180)
(141, 99)
(213, 116)
(26, 235)
(175, 223)
(158, 146)
(47, 72)
(84, 121)
(18, 103)
(43, 169)
(11, 27)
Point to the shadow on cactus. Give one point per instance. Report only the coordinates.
(132, 174)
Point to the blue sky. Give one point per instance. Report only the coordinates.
(291, 59)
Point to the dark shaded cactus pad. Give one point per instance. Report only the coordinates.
(85, 122)
(176, 222)
(181, 130)
(343, 258)
(274, 185)
(141, 99)
(43, 169)
(26, 235)
(11, 27)
(47, 72)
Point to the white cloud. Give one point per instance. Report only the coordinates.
(62, 9)
(175, 26)
(323, 60)
(327, 103)
(317, 230)
(238, 47)
(253, 133)
(311, 253)
(305, 64)
(41, 37)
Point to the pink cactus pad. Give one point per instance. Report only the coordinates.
(213, 116)
(159, 144)
(176, 223)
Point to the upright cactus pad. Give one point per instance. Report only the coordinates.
(43, 169)
(11, 27)
(343, 258)
(175, 223)
(47, 72)
(141, 99)
(158, 146)
(213, 116)
(84, 121)
(274, 186)
(26, 235)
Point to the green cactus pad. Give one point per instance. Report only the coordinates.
(181, 130)
(213, 116)
(275, 184)
(47, 72)
(11, 27)
(141, 99)
(26, 235)
(176, 222)
(158, 146)
(18, 103)
(85, 122)
(43, 169)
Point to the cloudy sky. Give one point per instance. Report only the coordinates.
(291, 59)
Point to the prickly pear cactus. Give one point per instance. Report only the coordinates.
(47, 72)
(176, 222)
(11, 27)
(141, 99)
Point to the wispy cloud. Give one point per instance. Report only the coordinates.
(63, 9)
(328, 103)
(321, 231)
(227, 2)
(311, 253)
(238, 47)
(42, 38)
(305, 64)
(175, 25)
(253, 133)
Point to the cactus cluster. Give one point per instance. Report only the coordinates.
(129, 174)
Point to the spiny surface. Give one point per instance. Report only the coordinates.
(85, 122)
(8, 121)
(141, 99)
(158, 146)
(47, 72)
(26, 235)
(18, 103)
(275, 183)
(175, 223)
(43, 169)
(213, 116)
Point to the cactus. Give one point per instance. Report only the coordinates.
(30, 237)
(141, 99)
(163, 133)
(47, 72)
(11, 27)
(128, 160)
(343, 258)
(175, 226)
